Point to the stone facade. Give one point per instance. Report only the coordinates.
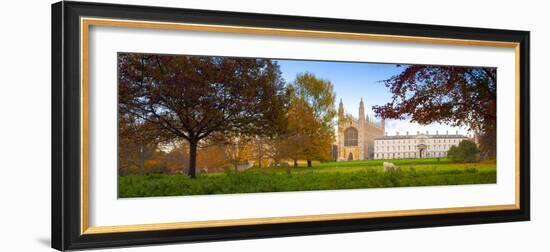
(355, 136)
(415, 146)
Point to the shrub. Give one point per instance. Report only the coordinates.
(466, 151)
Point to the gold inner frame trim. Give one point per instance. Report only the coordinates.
(288, 219)
(85, 24)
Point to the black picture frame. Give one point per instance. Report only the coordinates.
(66, 152)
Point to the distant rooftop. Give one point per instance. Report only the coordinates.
(416, 136)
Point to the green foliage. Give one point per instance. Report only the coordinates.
(466, 151)
(318, 94)
(455, 95)
(325, 176)
(310, 131)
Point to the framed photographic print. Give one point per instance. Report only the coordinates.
(179, 125)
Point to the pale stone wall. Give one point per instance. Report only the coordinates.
(367, 129)
(415, 146)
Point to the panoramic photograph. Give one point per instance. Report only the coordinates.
(202, 125)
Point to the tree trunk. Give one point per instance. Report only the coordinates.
(141, 160)
(192, 159)
(295, 163)
(308, 163)
(260, 155)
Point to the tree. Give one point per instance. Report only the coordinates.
(466, 151)
(135, 148)
(262, 148)
(156, 163)
(193, 97)
(319, 95)
(459, 96)
(300, 130)
(311, 117)
(278, 149)
(211, 158)
(236, 150)
(177, 159)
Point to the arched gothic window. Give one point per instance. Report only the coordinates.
(350, 137)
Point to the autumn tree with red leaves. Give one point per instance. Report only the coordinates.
(192, 98)
(458, 96)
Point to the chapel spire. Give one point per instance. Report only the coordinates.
(340, 111)
(361, 110)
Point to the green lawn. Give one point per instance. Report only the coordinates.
(322, 176)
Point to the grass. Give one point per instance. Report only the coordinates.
(322, 176)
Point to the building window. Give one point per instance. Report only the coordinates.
(350, 137)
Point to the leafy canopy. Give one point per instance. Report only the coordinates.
(458, 96)
(195, 97)
(466, 151)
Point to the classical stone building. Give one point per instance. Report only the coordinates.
(415, 146)
(355, 136)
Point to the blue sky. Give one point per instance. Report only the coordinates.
(353, 81)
